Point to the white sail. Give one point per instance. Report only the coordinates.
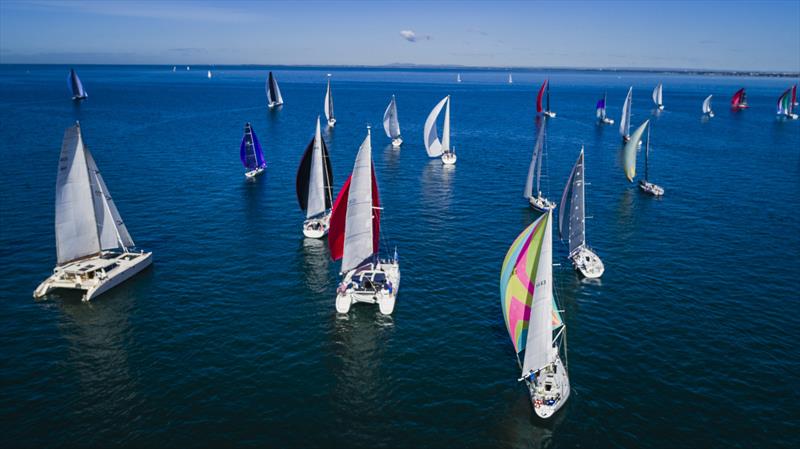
(329, 102)
(658, 95)
(510, 80)
(316, 178)
(446, 128)
(535, 162)
(209, 73)
(574, 193)
(110, 227)
(432, 143)
(390, 122)
(538, 347)
(625, 121)
(458, 78)
(707, 105)
(358, 224)
(274, 96)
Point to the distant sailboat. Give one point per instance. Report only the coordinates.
(187, 68)
(535, 197)
(391, 124)
(274, 97)
(329, 105)
(625, 121)
(739, 100)
(458, 78)
(707, 106)
(433, 145)
(92, 241)
(629, 161)
(658, 96)
(601, 111)
(314, 186)
(510, 79)
(574, 226)
(544, 91)
(78, 92)
(785, 107)
(355, 236)
(174, 69)
(532, 317)
(209, 74)
(251, 154)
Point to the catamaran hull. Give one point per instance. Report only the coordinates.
(547, 402)
(397, 142)
(63, 278)
(587, 263)
(316, 228)
(385, 298)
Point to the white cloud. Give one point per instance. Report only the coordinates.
(408, 35)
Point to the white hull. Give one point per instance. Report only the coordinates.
(549, 388)
(331, 122)
(95, 275)
(587, 263)
(541, 203)
(650, 188)
(607, 121)
(78, 98)
(316, 228)
(661, 107)
(253, 173)
(371, 285)
(788, 116)
(274, 104)
(449, 158)
(397, 142)
(550, 114)
(710, 114)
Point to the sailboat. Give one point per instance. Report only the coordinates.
(739, 100)
(458, 78)
(391, 124)
(625, 120)
(187, 68)
(785, 107)
(274, 97)
(92, 242)
(355, 236)
(707, 106)
(658, 96)
(78, 92)
(209, 74)
(538, 202)
(329, 105)
(174, 69)
(314, 186)
(601, 111)
(629, 161)
(251, 154)
(544, 91)
(583, 258)
(532, 317)
(510, 80)
(433, 145)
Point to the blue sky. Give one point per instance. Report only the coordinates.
(736, 35)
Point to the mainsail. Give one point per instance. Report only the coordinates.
(658, 95)
(707, 105)
(625, 120)
(273, 91)
(390, 122)
(75, 84)
(526, 293)
(250, 150)
(576, 222)
(329, 102)
(629, 153)
(314, 177)
(87, 220)
(535, 167)
(433, 145)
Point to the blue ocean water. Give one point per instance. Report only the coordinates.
(232, 338)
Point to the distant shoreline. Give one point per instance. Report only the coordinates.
(425, 67)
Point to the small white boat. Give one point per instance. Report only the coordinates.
(629, 161)
(78, 92)
(584, 260)
(92, 241)
(510, 79)
(329, 105)
(434, 146)
(391, 124)
(707, 106)
(601, 111)
(354, 237)
(532, 317)
(274, 97)
(625, 120)
(535, 198)
(658, 97)
(314, 186)
(458, 78)
(544, 91)
(251, 154)
(209, 74)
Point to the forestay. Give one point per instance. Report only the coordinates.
(360, 239)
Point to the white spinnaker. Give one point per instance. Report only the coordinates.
(707, 104)
(316, 178)
(328, 102)
(432, 143)
(540, 326)
(358, 224)
(391, 124)
(625, 121)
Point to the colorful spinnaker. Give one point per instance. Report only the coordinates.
(785, 107)
(544, 94)
(739, 100)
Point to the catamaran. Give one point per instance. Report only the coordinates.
(601, 111)
(93, 245)
(78, 92)
(707, 106)
(538, 202)
(329, 105)
(739, 100)
(583, 258)
(314, 187)
(355, 236)
(629, 161)
(274, 97)
(391, 124)
(532, 317)
(433, 145)
(251, 154)
(209, 74)
(658, 96)
(544, 91)
(785, 108)
(625, 120)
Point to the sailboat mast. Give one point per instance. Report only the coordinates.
(647, 154)
(548, 96)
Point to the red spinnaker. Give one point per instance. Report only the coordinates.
(539, 97)
(738, 99)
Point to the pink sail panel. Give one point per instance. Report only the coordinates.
(739, 100)
(539, 108)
